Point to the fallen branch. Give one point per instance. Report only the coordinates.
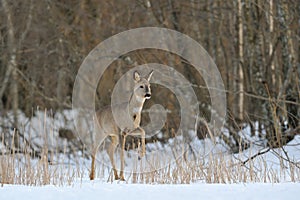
(255, 155)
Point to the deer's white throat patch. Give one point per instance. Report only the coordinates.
(137, 109)
(140, 99)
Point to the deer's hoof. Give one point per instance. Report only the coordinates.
(141, 156)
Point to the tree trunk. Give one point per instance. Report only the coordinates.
(12, 63)
(287, 66)
(240, 74)
(271, 29)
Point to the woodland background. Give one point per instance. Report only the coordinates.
(255, 44)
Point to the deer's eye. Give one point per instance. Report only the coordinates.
(141, 86)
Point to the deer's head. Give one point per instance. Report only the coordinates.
(142, 88)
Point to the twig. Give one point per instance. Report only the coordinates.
(255, 155)
(286, 159)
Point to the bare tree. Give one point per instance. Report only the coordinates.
(240, 72)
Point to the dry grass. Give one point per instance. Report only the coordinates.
(56, 167)
(21, 168)
(20, 164)
(215, 168)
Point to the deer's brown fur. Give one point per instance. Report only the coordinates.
(129, 124)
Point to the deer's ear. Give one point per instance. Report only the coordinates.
(136, 76)
(149, 75)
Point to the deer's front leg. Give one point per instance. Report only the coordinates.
(143, 135)
(140, 132)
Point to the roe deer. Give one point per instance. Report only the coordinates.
(109, 128)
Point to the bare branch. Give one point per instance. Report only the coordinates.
(28, 24)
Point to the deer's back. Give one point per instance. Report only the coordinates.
(107, 122)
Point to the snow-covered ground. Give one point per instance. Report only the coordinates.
(278, 167)
(98, 190)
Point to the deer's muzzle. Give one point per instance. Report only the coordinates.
(148, 96)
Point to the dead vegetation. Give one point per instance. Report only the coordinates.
(60, 167)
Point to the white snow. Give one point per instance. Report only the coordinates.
(115, 191)
(275, 166)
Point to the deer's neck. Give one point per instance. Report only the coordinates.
(135, 109)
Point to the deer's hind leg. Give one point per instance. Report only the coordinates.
(110, 151)
(92, 173)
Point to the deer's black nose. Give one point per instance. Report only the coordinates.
(147, 96)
